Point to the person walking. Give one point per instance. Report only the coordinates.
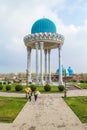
(36, 95)
(30, 94)
(27, 89)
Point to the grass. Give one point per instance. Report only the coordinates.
(12, 88)
(82, 85)
(10, 107)
(79, 106)
(54, 89)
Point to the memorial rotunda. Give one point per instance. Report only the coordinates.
(43, 37)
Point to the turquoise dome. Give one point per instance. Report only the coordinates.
(71, 71)
(63, 71)
(43, 25)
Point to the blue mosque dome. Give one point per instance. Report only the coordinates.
(63, 71)
(43, 25)
(71, 71)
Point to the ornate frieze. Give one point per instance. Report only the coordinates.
(43, 36)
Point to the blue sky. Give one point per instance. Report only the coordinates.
(16, 19)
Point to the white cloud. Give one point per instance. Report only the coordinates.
(16, 20)
(75, 47)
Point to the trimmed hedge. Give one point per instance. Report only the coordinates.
(81, 81)
(1, 87)
(33, 87)
(8, 87)
(61, 88)
(1, 83)
(47, 88)
(18, 87)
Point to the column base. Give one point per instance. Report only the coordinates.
(42, 83)
(37, 82)
(49, 79)
(29, 78)
(60, 82)
(45, 79)
(29, 81)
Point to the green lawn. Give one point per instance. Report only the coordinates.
(12, 88)
(10, 107)
(54, 89)
(79, 106)
(82, 85)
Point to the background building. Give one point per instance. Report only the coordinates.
(69, 71)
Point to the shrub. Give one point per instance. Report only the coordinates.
(47, 87)
(74, 80)
(61, 88)
(85, 81)
(81, 81)
(9, 82)
(33, 87)
(4, 82)
(18, 87)
(8, 87)
(1, 87)
(0, 82)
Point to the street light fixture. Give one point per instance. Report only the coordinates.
(26, 82)
(65, 94)
(26, 77)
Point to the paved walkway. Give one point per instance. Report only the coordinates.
(49, 112)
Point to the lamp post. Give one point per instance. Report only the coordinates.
(26, 82)
(26, 78)
(65, 94)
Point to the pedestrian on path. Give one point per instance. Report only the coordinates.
(30, 94)
(36, 93)
(27, 89)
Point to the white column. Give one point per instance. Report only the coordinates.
(37, 75)
(45, 51)
(60, 65)
(41, 62)
(28, 65)
(49, 68)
